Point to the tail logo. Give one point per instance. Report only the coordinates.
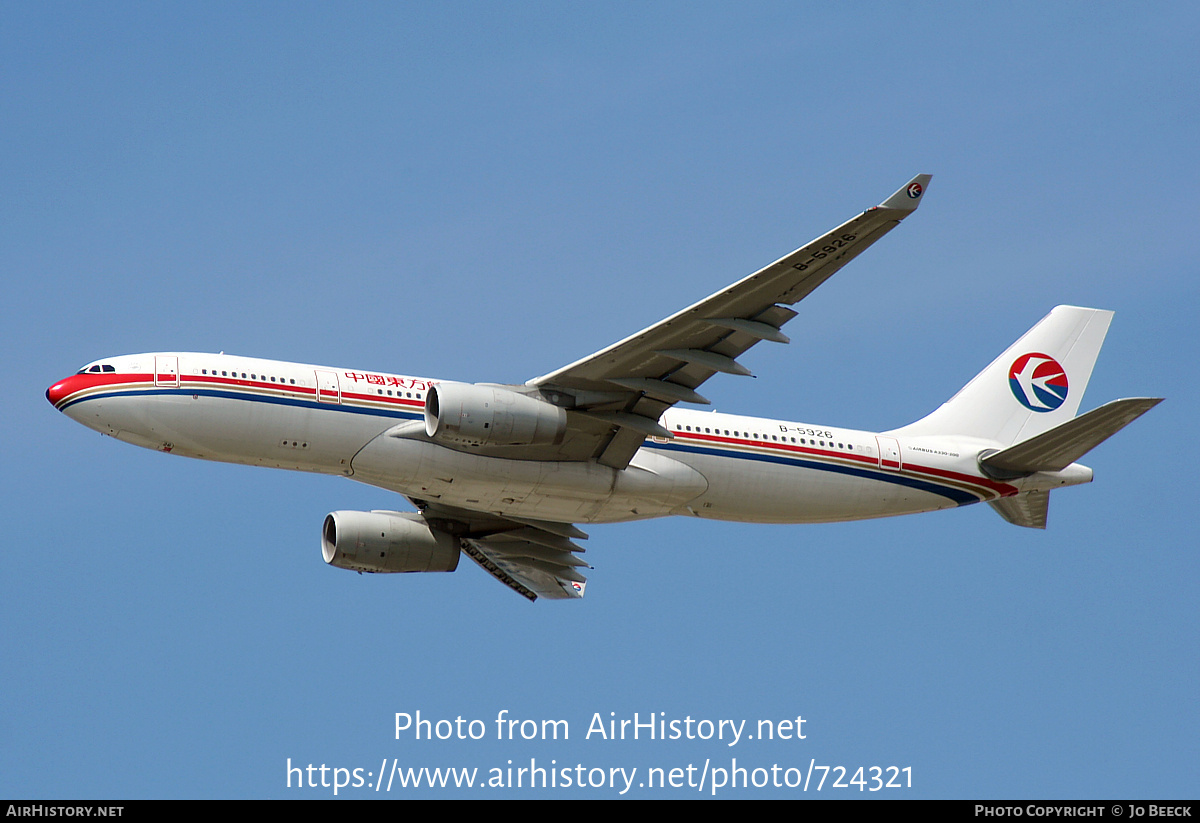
(1038, 382)
(915, 190)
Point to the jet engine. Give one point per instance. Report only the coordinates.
(463, 414)
(386, 542)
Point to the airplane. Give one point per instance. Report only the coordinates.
(503, 473)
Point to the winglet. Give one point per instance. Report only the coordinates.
(908, 197)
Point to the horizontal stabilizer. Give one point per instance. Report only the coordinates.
(1027, 509)
(1062, 445)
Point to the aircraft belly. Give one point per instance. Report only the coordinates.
(234, 431)
(583, 491)
(765, 492)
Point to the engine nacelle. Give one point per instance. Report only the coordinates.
(488, 416)
(386, 542)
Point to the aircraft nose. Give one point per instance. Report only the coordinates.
(59, 390)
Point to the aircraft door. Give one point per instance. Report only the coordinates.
(166, 371)
(329, 390)
(889, 453)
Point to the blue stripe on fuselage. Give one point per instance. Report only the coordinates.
(959, 496)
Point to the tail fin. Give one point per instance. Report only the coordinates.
(1036, 385)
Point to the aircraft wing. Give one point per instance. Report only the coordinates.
(534, 558)
(620, 392)
(524, 567)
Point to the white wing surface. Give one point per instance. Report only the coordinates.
(620, 392)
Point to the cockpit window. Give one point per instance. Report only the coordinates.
(96, 369)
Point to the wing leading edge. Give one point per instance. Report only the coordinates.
(628, 385)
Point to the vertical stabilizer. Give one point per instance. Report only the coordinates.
(1035, 385)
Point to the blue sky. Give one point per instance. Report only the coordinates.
(487, 192)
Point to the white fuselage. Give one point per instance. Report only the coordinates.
(337, 421)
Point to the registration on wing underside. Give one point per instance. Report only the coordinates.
(533, 558)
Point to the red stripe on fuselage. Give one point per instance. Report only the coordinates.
(81, 382)
(1002, 489)
(76, 383)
